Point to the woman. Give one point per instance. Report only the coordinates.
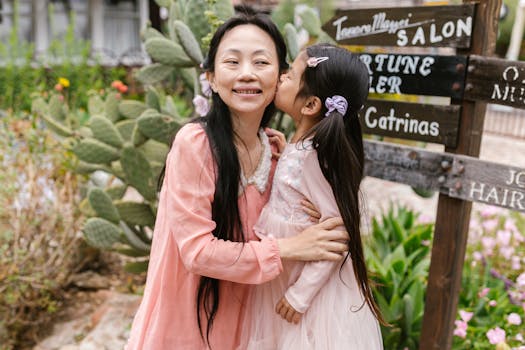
(204, 252)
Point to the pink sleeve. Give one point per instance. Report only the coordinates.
(190, 186)
(315, 274)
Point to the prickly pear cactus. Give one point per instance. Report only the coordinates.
(122, 148)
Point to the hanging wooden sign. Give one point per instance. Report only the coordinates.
(491, 183)
(408, 165)
(457, 176)
(496, 81)
(434, 26)
(412, 121)
(416, 74)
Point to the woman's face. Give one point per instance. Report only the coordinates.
(246, 70)
(286, 99)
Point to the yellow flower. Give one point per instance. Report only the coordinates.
(64, 82)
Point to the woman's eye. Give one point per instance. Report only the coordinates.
(231, 61)
(262, 62)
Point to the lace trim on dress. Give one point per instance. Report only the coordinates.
(260, 177)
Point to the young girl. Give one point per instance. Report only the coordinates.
(318, 305)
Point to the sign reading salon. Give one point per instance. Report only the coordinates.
(429, 26)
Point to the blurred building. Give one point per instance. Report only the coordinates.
(111, 26)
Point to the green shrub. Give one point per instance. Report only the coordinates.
(397, 254)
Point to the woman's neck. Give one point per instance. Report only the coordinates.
(246, 130)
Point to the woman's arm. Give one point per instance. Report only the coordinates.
(188, 192)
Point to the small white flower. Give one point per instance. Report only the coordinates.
(202, 106)
(514, 319)
(205, 85)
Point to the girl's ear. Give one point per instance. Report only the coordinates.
(211, 78)
(312, 106)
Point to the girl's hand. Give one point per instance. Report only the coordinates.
(317, 242)
(310, 209)
(287, 312)
(278, 139)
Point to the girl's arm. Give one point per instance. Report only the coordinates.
(187, 195)
(315, 274)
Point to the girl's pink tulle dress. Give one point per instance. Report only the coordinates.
(334, 314)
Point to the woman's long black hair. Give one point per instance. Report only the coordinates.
(338, 141)
(219, 129)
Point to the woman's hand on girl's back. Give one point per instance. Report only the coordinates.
(312, 211)
(317, 242)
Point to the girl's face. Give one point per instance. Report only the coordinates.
(246, 70)
(286, 98)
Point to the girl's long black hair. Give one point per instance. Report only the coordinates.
(338, 141)
(219, 129)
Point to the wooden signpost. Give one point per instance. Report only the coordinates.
(459, 176)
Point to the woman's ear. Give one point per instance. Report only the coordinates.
(211, 79)
(312, 106)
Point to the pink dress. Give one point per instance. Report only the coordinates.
(184, 248)
(334, 316)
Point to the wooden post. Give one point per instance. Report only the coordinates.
(40, 26)
(96, 24)
(453, 215)
(154, 15)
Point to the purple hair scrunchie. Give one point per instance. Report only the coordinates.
(336, 103)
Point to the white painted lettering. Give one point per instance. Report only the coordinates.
(370, 123)
(474, 190)
(394, 82)
(448, 29)
(367, 59)
(402, 39)
(464, 27)
(434, 129)
(517, 197)
(419, 37)
(425, 70)
(492, 196)
(515, 73)
(434, 38)
(381, 82)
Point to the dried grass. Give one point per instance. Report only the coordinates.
(40, 240)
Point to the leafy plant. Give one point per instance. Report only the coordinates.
(491, 306)
(67, 57)
(39, 222)
(397, 254)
